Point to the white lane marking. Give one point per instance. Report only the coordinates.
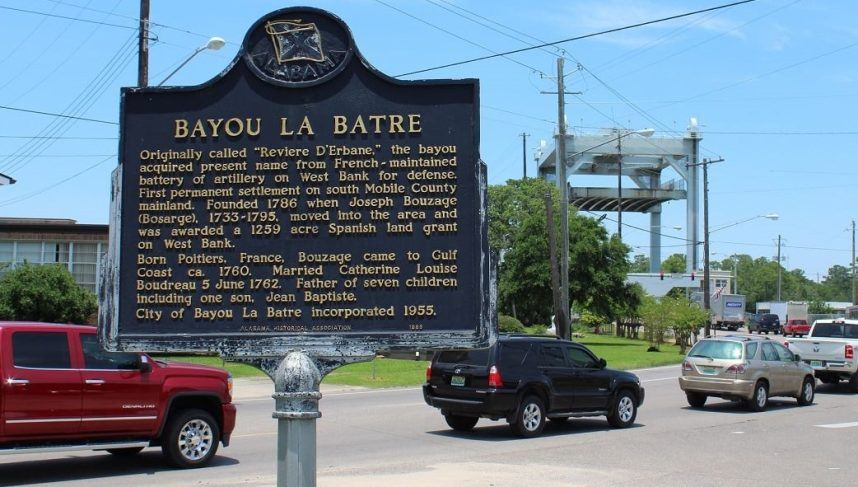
(659, 379)
(837, 425)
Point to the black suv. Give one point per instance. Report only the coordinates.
(764, 323)
(526, 379)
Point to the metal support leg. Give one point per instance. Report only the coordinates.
(296, 396)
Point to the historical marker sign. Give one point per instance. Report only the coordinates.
(301, 198)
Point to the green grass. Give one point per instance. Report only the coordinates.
(381, 372)
(625, 353)
(235, 368)
(620, 353)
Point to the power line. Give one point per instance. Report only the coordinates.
(85, 119)
(704, 41)
(571, 39)
(457, 36)
(27, 196)
(137, 19)
(46, 14)
(762, 75)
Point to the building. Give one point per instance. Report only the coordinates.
(80, 247)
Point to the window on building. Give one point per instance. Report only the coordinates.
(84, 266)
(29, 252)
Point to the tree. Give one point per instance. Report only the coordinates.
(640, 263)
(518, 232)
(46, 293)
(674, 263)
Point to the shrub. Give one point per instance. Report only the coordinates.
(508, 324)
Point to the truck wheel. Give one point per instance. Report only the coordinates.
(191, 438)
(530, 419)
(853, 383)
(125, 452)
(461, 423)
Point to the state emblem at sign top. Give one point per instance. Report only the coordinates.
(298, 47)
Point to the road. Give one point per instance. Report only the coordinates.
(390, 437)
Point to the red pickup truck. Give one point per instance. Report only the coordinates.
(61, 391)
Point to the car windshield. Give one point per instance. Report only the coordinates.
(464, 357)
(835, 330)
(717, 349)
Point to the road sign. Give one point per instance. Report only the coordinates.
(300, 199)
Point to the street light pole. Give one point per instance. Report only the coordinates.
(706, 285)
(779, 267)
(214, 44)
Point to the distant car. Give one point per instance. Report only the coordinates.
(746, 369)
(764, 323)
(796, 328)
(526, 379)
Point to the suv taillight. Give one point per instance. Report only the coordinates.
(428, 372)
(850, 352)
(686, 365)
(736, 369)
(495, 379)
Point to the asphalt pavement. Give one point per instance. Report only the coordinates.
(392, 438)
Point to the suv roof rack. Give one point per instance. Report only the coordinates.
(527, 335)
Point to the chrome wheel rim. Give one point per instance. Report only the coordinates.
(808, 391)
(531, 417)
(626, 408)
(761, 396)
(195, 439)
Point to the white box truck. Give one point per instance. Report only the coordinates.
(728, 310)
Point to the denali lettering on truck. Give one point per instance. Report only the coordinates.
(299, 211)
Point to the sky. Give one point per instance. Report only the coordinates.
(773, 84)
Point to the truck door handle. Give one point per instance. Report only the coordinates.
(95, 382)
(17, 382)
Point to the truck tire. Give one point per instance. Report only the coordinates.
(191, 438)
(853, 383)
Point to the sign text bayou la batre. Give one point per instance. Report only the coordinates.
(339, 125)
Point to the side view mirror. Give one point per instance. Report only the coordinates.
(797, 357)
(602, 363)
(145, 366)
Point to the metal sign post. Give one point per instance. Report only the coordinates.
(299, 211)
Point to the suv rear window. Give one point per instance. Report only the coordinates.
(513, 354)
(835, 330)
(464, 357)
(717, 349)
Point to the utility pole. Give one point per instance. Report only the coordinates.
(706, 285)
(779, 267)
(523, 155)
(143, 45)
(560, 160)
(619, 186)
(854, 286)
(559, 315)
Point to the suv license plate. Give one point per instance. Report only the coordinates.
(816, 363)
(457, 380)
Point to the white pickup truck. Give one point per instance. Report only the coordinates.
(830, 349)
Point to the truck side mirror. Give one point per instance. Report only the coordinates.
(602, 363)
(145, 366)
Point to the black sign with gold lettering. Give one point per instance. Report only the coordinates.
(301, 198)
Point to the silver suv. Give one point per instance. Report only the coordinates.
(747, 369)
